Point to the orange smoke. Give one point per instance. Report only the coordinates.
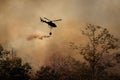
(37, 36)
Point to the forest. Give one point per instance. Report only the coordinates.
(101, 60)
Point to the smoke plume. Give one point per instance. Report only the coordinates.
(37, 36)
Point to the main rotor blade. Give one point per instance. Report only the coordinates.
(41, 19)
(58, 20)
(47, 18)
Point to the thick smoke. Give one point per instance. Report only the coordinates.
(20, 18)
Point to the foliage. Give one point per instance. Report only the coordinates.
(63, 68)
(11, 67)
(46, 73)
(100, 42)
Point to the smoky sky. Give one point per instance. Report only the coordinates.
(20, 18)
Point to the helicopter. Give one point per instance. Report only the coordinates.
(50, 23)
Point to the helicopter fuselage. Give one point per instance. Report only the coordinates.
(51, 24)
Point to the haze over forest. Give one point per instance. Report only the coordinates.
(20, 19)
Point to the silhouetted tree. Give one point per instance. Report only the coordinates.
(100, 42)
(113, 76)
(117, 57)
(61, 67)
(68, 67)
(46, 73)
(11, 67)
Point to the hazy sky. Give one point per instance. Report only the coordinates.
(20, 19)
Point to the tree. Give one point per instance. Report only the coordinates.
(117, 57)
(64, 67)
(46, 73)
(11, 67)
(100, 42)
